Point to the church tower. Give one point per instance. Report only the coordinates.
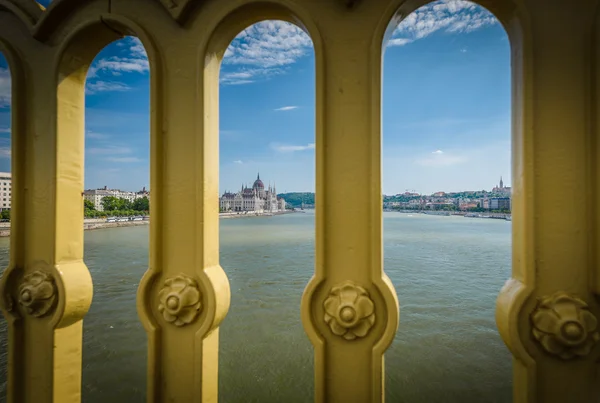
(501, 183)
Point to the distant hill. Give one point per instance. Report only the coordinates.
(295, 199)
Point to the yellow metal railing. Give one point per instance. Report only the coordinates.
(546, 313)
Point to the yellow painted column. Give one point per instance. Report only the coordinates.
(349, 309)
(547, 313)
(185, 294)
(47, 289)
(595, 134)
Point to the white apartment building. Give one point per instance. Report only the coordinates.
(96, 195)
(5, 190)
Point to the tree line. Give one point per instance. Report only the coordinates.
(117, 206)
(295, 199)
(113, 206)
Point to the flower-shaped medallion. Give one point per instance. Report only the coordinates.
(37, 293)
(180, 300)
(564, 326)
(349, 311)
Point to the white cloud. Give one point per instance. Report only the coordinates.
(245, 76)
(5, 130)
(439, 158)
(399, 42)
(123, 159)
(108, 150)
(240, 75)
(463, 50)
(114, 154)
(236, 82)
(470, 167)
(136, 48)
(103, 86)
(135, 61)
(123, 64)
(96, 136)
(292, 148)
(238, 162)
(450, 16)
(268, 46)
(248, 75)
(286, 108)
(5, 88)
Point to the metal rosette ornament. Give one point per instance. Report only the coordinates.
(37, 293)
(180, 300)
(564, 326)
(349, 311)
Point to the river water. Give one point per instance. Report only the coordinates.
(447, 272)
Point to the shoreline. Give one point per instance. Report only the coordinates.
(497, 216)
(247, 214)
(90, 224)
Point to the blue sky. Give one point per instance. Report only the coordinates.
(446, 107)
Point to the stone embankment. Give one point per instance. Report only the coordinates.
(103, 224)
(251, 214)
(88, 224)
(99, 223)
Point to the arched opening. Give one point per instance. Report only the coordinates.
(104, 88)
(116, 198)
(267, 171)
(5, 201)
(446, 175)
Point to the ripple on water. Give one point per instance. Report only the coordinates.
(447, 272)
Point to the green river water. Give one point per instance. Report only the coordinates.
(447, 272)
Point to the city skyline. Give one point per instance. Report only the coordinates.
(445, 107)
(249, 185)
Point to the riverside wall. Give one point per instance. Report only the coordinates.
(250, 214)
(88, 224)
(99, 223)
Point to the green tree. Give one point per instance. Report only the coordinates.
(110, 203)
(296, 199)
(141, 204)
(124, 204)
(5, 214)
(91, 213)
(88, 205)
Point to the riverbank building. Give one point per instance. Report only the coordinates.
(255, 199)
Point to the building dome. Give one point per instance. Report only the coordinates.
(258, 183)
